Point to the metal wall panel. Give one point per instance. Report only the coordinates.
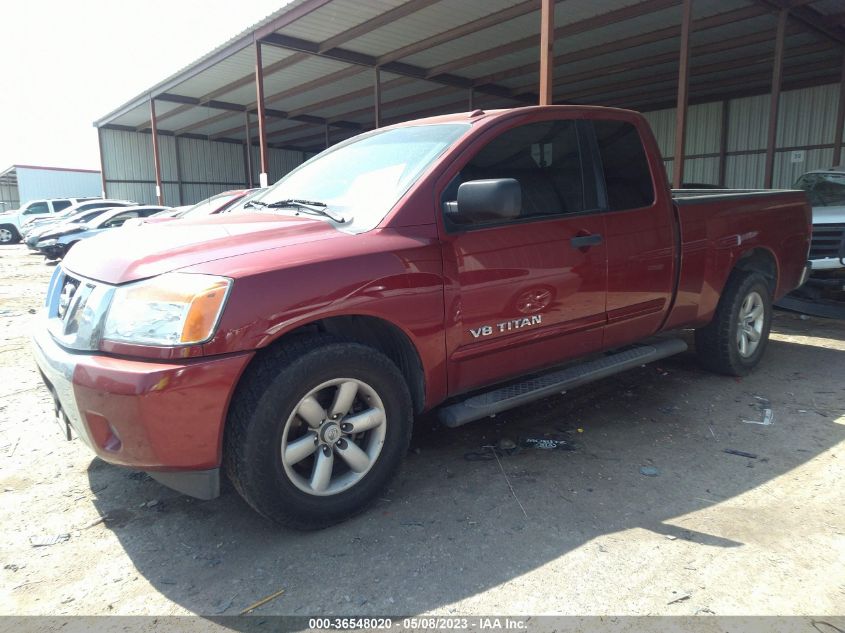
(745, 171)
(663, 126)
(787, 169)
(128, 156)
(704, 129)
(748, 123)
(808, 116)
(210, 162)
(53, 183)
(702, 170)
(282, 161)
(9, 198)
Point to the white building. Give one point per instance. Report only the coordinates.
(21, 183)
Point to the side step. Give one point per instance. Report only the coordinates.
(517, 394)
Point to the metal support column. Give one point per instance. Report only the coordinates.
(723, 142)
(102, 160)
(179, 170)
(547, 45)
(249, 178)
(840, 119)
(683, 98)
(774, 104)
(156, 156)
(377, 96)
(262, 126)
(326, 130)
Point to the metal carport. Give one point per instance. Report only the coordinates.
(761, 80)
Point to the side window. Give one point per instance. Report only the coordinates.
(37, 208)
(625, 165)
(117, 220)
(58, 205)
(145, 213)
(544, 158)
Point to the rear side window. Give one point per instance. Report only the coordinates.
(625, 165)
(544, 158)
(58, 205)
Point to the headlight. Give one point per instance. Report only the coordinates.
(172, 309)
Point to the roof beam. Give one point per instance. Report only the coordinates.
(283, 19)
(368, 61)
(457, 32)
(597, 21)
(697, 71)
(399, 12)
(756, 86)
(394, 14)
(627, 43)
(765, 74)
(697, 52)
(243, 81)
(807, 17)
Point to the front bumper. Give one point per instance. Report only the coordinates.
(163, 418)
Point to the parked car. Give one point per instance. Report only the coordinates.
(37, 233)
(36, 222)
(215, 204)
(56, 244)
(467, 263)
(11, 221)
(826, 190)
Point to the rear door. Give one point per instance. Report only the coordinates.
(639, 233)
(528, 292)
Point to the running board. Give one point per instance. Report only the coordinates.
(517, 394)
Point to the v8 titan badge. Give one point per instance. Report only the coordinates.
(506, 326)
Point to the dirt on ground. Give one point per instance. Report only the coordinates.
(646, 514)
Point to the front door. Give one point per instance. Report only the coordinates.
(529, 292)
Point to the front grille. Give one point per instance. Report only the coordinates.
(827, 240)
(75, 309)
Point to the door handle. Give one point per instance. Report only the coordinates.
(586, 241)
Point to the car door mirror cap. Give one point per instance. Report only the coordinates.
(489, 200)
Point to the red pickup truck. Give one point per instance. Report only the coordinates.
(469, 263)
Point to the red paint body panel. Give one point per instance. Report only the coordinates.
(435, 286)
(166, 416)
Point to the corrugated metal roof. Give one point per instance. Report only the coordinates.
(297, 68)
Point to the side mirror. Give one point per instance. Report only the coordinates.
(493, 200)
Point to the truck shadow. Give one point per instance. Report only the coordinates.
(450, 527)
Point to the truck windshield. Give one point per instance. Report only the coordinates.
(823, 189)
(361, 179)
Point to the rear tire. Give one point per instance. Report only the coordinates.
(9, 234)
(734, 341)
(277, 437)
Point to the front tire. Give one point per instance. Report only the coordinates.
(734, 341)
(9, 234)
(316, 430)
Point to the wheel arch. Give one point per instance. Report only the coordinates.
(375, 332)
(760, 260)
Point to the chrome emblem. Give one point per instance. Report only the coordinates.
(331, 434)
(65, 298)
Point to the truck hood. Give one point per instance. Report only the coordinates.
(829, 215)
(131, 253)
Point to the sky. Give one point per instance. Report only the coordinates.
(67, 63)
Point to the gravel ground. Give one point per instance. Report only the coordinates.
(577, 532)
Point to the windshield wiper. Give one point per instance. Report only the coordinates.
(255, 203)
(306, 206)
